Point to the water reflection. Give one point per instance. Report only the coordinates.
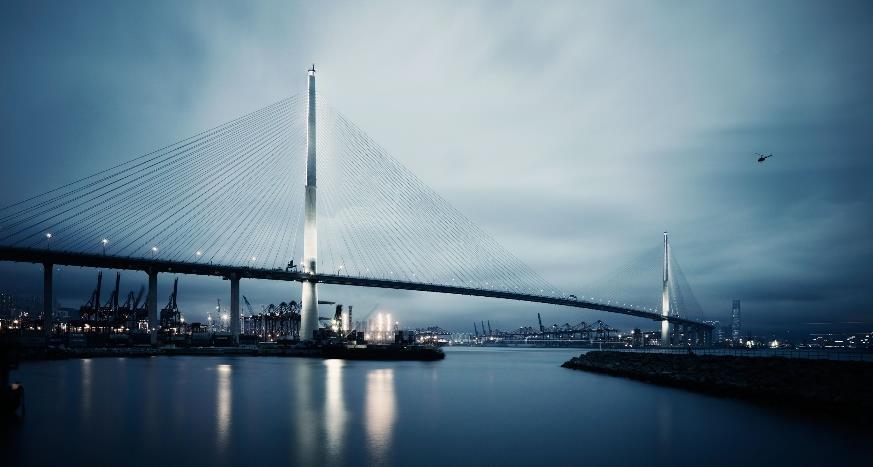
(223, 405)
(306, 444)
(334, 410)
(381, 413)
(665, 424)
(87, 380)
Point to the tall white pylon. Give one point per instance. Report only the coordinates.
(309, 299)
(665, 296)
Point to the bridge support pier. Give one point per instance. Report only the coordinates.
(667, 338)
(48, 299)
(234, 308)
(666, 333)
(152, 306)
(309, 293)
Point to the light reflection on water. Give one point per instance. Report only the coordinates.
(87, 381)
(223, 406)
(304, 415)
(380, 413)
(334, 410)
(509, 405)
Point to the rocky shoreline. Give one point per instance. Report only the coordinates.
(829, 387)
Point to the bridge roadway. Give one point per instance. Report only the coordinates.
(155, 265)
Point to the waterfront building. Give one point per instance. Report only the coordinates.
(717, 332)
(7, 304)
(736, 322)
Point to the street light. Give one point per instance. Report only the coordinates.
(48, 240)
(104, 242)
(154, 251)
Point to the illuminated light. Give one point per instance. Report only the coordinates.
(104, 241)
(199, 253)
(48, 235)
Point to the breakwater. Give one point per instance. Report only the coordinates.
(834, 387)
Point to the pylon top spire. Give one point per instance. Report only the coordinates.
(312, 70)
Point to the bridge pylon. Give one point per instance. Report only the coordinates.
(665, 296)
(309, 296)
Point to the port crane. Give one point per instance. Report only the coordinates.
(110, 309)
(171, 318)
(91, 310)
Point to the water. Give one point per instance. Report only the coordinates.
(477, 407)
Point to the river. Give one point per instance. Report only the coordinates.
(481, 406)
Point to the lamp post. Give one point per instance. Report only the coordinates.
(103, 243)
(48, 240)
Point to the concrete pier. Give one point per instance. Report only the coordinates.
(666, 335)
(309, 296)
(234, 308)
(152, 305)
(48, 298)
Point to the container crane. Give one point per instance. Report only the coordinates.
(91, 309)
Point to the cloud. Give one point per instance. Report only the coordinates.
(574, 133)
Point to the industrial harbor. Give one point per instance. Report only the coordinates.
(108, 326)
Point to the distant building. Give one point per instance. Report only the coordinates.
(7, 304)
(736, 321)
(717, 333)
(637, 339)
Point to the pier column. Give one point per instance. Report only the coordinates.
(309, 295)
(665, 296)
(234, 308)
(152, 305)
(48, 299)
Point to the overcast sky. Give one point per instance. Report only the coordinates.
(575, 133)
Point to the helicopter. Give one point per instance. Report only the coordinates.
(762, 158)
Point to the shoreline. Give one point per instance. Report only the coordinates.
(840, 389)
(386, 353)
(30, 355)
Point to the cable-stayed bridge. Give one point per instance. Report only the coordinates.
(240, 200)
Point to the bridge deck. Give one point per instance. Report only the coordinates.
(28, 255)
